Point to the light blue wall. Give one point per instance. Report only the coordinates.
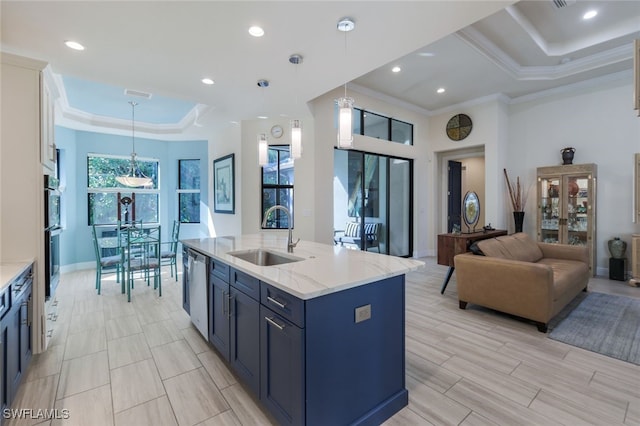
(75, 243)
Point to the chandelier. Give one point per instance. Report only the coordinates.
(134, 177)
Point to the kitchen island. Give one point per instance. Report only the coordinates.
(319, 339)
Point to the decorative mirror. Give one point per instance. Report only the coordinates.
(471, 210)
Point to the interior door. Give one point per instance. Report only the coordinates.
(454, 195)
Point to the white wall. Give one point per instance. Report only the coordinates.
(227, 141)
(304, 200)
(488, 135)
(600, 123)
(323, 109)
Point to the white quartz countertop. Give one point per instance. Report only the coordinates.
(324, 269)
(11, 270)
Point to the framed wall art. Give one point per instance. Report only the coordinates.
(224, 185)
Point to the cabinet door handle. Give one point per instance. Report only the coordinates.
(229, 300)
(275, 324)
(25, 317)
(276, 302)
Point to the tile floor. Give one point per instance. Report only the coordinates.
(143, 363)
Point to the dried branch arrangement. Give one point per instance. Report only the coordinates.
(516, 193)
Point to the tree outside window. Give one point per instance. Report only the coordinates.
(189, 191)
(277, 186)
(103, 190)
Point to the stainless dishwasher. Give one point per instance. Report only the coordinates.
(198, 292)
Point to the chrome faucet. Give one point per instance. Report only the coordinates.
(290, 243)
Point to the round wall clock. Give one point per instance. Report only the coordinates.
(459, 126)
(276, 131)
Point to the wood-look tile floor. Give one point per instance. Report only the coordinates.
(143, 363)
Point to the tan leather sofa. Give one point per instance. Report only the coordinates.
(519, 276)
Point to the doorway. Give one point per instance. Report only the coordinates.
(373, 198)
(471, 174)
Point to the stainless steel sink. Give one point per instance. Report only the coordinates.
(262, 257)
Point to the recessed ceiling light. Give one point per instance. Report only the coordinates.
(441, 90)
(74, 45)
(396, 69)
(256, 31)
(426, 54)
(262, 117)
(590, 14)
(207, 81)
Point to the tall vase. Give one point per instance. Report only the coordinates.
(518, 218)
(617, 247)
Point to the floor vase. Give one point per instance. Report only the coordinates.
(518, 218)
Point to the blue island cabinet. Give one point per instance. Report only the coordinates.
(336, 359)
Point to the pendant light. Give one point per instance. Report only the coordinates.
(345, 104)
(295, 150)
(263, 148)
(134, 178)
(263, 144)
(296, 139)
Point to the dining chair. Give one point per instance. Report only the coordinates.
(169, 255)
(106, 262)
(143, 255)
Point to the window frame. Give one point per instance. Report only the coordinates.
(180, 191)
(122, 189)
(361, 114)
(278, 148)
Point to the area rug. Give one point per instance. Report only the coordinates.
(604, 323)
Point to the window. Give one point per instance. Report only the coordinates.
(104, 192)
(384, 128)
(277, 186)
(189, 191)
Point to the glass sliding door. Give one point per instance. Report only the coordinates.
(400, 207)
(372, 202)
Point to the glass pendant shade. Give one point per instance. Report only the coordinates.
(345, 122)
(134, 178)
(296, 139)
(263, 148)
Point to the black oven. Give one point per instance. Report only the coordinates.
(51, 202)
(52, 231)
(52, 261)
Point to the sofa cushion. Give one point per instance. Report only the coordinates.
(515, 247)
(566, 273)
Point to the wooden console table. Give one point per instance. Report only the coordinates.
(450, 245)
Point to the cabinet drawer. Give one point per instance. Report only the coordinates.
(219, 269)
(4, 301)
(283, 304)
(20, 284)
(246, 283)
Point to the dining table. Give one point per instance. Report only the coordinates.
(139, 247)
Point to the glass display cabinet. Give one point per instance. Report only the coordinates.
(567, 206)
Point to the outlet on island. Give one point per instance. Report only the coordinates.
(363, 313)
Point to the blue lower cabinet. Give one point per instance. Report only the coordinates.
(219, 315)
(5, 389)
(282, 368)
(245, 338)
(336, 359)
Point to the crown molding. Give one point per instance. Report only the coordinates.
(574, 87)
(386, 98)
(74, 118)
(491, 51)
(564, 49)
